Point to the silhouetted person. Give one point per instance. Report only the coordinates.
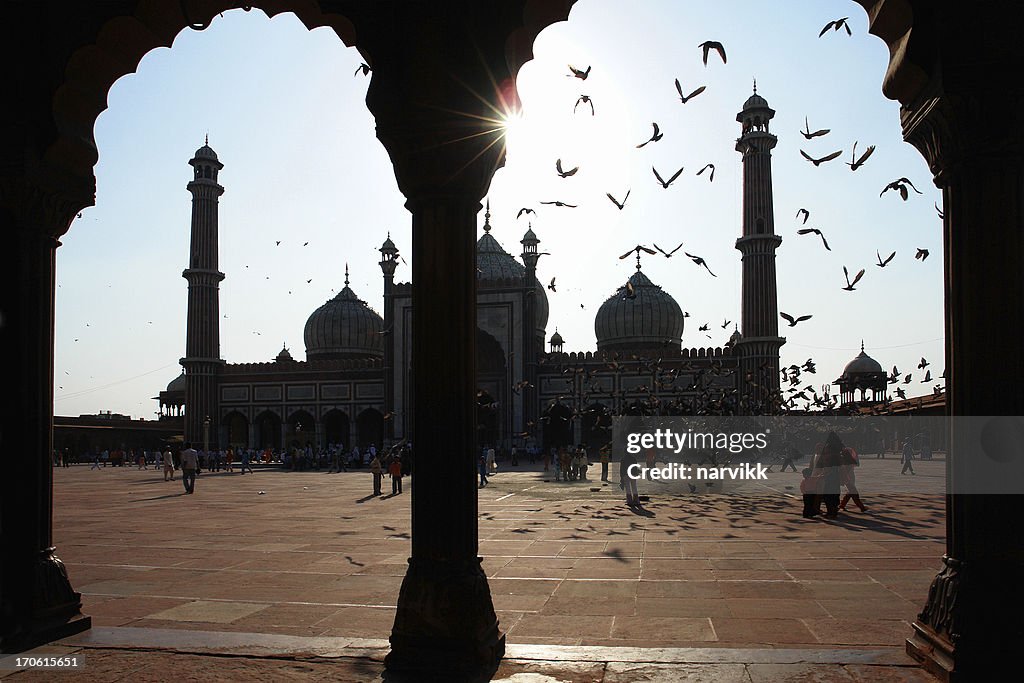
(626, 482)
(828, 464)
(848, 460)
(809, 489)
(908, 457)
(189, 465)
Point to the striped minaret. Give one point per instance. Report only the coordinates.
(202, 361)
(759, 346)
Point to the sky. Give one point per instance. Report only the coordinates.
(288, 119)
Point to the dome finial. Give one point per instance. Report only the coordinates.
(755, 85)
(206, 140)
(346, 274)
(862, 346)
(487, 217)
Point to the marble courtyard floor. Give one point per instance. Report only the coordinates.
(294, 576)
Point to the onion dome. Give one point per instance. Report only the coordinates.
(755, 101)
(284, 355)
(735, 337)
(650, 319)
(344, 327)
(556, 339)
(177, 384)
(206, 152)
(862, 364)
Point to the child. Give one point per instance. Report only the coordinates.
(809, 489)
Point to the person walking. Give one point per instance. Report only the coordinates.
(626, 482)
(247, 460)
(229, 459)
(482, 466)
(395, 469)
(605, 460)
(908, 457)
(791, 454)
(492, 465)
(376, 470)
(848, 460)
(828, 466)
(189, 465)
(168, 459)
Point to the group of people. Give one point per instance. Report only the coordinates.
(832, 469)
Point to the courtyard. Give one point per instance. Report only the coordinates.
(309, 565)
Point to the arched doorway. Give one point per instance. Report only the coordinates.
(370, 428)
(492, 398)
(236, 427)
(557, 420)
(596, 429)
(268, 430)
(336, 428)
(301, 429)
(486, 420)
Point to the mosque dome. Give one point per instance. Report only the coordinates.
(735, 337)
(862, 364)
(284, 355)
(177, 384)
(651, 319)
(206, 152)
(755, 101)
(344, 327)
(556, 339)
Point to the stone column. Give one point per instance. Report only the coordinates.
(970, 627)
(37, 602)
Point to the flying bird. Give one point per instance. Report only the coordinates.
(703, 328)
(815, 231)
(856, 278)
(551, 285)
(582, 75)
(856, 163)
(700, 262)
(666, 183)
(524, 210)
(364, 67)
(726, 324)
(942, 216)
(584, 99)
(686, 98)
(901, 393)
(809, 135)
(558, 203)
(793, 321)
(630, 291)
(616, 201)
(900, 185)
(805, 212)
(657, 135)
(921, 254)
(819, 162)
(881, 263)
(927, 377)
(835, 26)
(708, 46)
(668, 254)
(711, 178)
(638, 248)
(565, 174)
(277, 243)
(923, 364)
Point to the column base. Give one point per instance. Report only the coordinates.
(445, 626)
(934, 652)
(56, 610)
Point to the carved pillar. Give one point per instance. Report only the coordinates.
(968, 128)
(37, 602)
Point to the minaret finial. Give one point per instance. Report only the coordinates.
(206, 140)
(487, 217)
(346, 274)
(862, 346)
(755, 85)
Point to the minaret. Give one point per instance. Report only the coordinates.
(759, 344)
(531, 346)
(388, 264)
(202, 361)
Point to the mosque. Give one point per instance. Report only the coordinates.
(355, 385)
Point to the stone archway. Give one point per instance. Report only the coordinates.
(950, 70)
(236, 426)
(268, 430)
(336, 428)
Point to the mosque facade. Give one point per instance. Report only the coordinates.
(355, 385)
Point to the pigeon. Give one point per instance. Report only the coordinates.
(565, 174)
(657, 135)
(582, 75)
(819, 162)
(668, 254)
(708, 46)
(835, 26)
(700, 262)
(711, 178)
(686, 98)
(809, 135)
(616, 202)
(923, 364)
(524, 210)
(805, 212)
(584, 99)
(793, 321)
(364, 67)
(881, 263)
(856, 278)
(942, 216)
(551, 285)
(666, 183)
(558, 203)
(856, 163)
(921, 254)
(815, 231)
(901, 186)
